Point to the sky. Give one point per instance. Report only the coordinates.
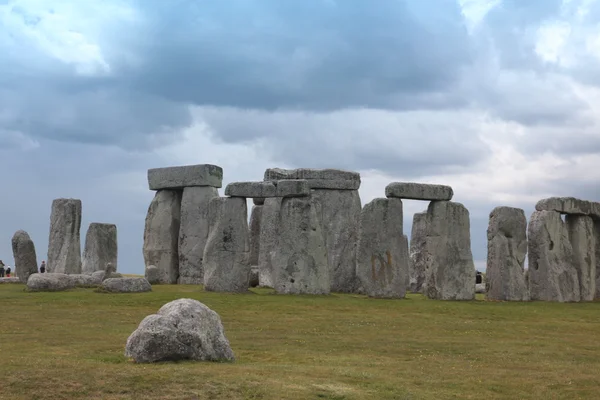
(499, 99)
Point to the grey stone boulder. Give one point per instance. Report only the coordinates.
(100, 247)
(317, 178)
(185, 176)
(583, 242)
(83, 280)
(269, 228)
(64, 244)
(255, 220)
(569, 205)
(98, 277)
(417, 256)
(126, 285)
(419, 191)
(12, 279)
(24, 255)
(183, 329)
(50, 282)
(507, 248)
(152, 274)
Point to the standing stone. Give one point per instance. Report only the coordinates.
(64, 244)
(450, 266)
(152, 274)
(507, 248)
(583, 242)
(24, 255)
(161, 235)
(100, 247)
(227, 252)
(597, 241)
(552, 275)
(382, 258)
(300, 256)
(255, 219)
(417, 262)
(193, 232)
(340, 218)
(269, 231)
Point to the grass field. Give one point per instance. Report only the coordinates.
(70, 346)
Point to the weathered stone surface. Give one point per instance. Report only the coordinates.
(49, 282)
(284, 188)
(300, 255)
(480, 288)
(255, 219)
(185, 176)
(193, 233)
(583, 242)
(183, 329)
(507, 248)
(552, 275)
(417, 257)
(340, 218)
(419, 191)
(153, 274)
(382, 258)
(161, 235)
(12, 279)
(597, 240)
(450, 268)
(64, 245)
(100, 247)
(253, 277)
(258, 201)
(269, 229)
(126, 285)
(227, 251)
(318, 178)
(24, 255)
(569, 205)
(82, 280)
(98, 276)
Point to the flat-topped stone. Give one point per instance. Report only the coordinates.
(569, 205)
(185, 176)
(284, 188)
(419, 191)
(318, 178)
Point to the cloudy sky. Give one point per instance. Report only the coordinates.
(498, 98)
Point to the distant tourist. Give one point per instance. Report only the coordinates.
(1, 269)
(8, 272)
(43, 267)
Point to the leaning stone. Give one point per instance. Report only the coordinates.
(100, 247)
(552, 275)
(24, 256)
(255, 219)
(419, 191)
(269, 228)
(183, 329)
(193, 233)
(161, 235)
(450, 267)
(227, 251)
(507, 248)
(382, 258)
(300, 256)
(318, 178)
(185, 176)
(583, 242)
(340, 218)
(417, 256)
(126, 285)
(569, 205)
(64, 248)
(152, 274)
(49, 282)
(12, 279)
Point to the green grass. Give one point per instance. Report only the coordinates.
(70, 346)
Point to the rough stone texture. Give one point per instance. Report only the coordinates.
(269, 229)
(417, 257)
(183, 329)
(161, 235)
(340, 218)
(552, 275)
(450, 268)
(227, 251)
(185, 176)
(64, 245)
(480, 288)
(583, 242)
(126, 285)
(12, 279)
(253, 277)
(98, 276)
(284, 188)
(300, 255)
(100, 247)
(24, 255)
(419, 191)
(49, 282)
(258, 201)
(382, 258)
(153, 274)
(597, 240)
(255, 218)
(318, 178)
(569, 205)
(193, 233)
(82, 280)
(507, 248)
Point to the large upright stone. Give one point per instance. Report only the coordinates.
(507, 248)
(569, 205)
(552, 274)
(450, 266)
(185, 176)
(24, 255)
(161, 235)
(419, 191)
(583, 242)
(64, 244)
(382, 258)
(597, 240)
(227, 252)
(100, 247)
(300, 255)
(255, 220)
(340, 218)
(193, 233)
(269, 231)
(417, 256)
(317, 178)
